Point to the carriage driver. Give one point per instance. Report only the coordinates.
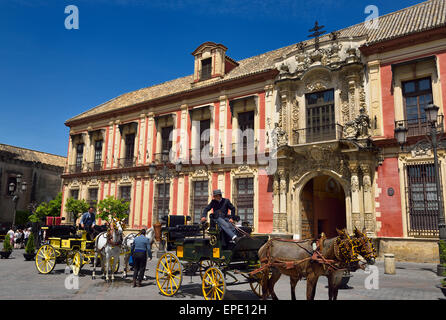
(220, 207)
(88, 221)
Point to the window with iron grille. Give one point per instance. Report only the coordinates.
(205, 136)
(417, 95)
(162, 198)
(246, 126)
(423, 206)
(93, 197)
(321, 125)
(245, 199)
(74, 193)
(206, 69)
(79, 155)
(125, 193)
(166, 142)
(97, 154)
(200, 199)
(129, 146)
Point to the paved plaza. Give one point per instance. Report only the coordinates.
(19, 279)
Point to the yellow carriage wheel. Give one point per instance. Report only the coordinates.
(78, 262)
(213, 284)
(256, 283)
(168, 274)
(204, 265)
(45, 259)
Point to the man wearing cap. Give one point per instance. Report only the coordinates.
(220, 207)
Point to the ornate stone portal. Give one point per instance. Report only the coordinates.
(333, 63)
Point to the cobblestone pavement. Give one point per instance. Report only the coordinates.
(19, 279)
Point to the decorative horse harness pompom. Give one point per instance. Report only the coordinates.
(346, 250)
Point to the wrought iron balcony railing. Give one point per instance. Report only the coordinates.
(75, 168)
(419, 126)
(126, 162)
(318, 134)
(95, 166)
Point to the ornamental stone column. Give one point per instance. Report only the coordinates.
(283, 201)
(354, 188)
(368, 198)
(276, 204)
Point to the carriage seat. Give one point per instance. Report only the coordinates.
(203, 241)
(62, 231)
(183, 231)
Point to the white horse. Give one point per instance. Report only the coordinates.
(108, 246)
(127, 246)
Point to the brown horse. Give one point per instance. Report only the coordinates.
(296, 259)
(365, 249)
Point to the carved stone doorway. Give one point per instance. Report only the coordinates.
(323, 207)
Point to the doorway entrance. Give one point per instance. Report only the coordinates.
(323, 207)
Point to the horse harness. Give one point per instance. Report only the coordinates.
(315, 256)
(110, 239)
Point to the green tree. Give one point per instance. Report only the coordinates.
(111, 207)
(51, 208)
(30, 248)
(54, 206)
(7, 244)
(76, 207)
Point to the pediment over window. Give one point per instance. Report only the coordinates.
(211, 61)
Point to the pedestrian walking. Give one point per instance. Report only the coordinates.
(140, 252)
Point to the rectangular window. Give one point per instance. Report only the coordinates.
(79, 157)
(417, 95)
(246, 126)
(245, 199)
(93, 197)
(97, 155)
(320, 113)
(166, 142)
(205, 136)
(129, 150)
(125, 193)
(74, 193)
(163, 198)
(200, 199)
(206, 69)
(423, 203)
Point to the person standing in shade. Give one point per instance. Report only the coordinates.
(140, 251)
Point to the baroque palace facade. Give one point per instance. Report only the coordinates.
(301, 139)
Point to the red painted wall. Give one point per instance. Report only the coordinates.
(389, 206)
(265, 208)
(388, 102)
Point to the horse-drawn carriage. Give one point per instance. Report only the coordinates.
(206, 249)
(64, 243)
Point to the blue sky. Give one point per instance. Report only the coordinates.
(49, 74)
